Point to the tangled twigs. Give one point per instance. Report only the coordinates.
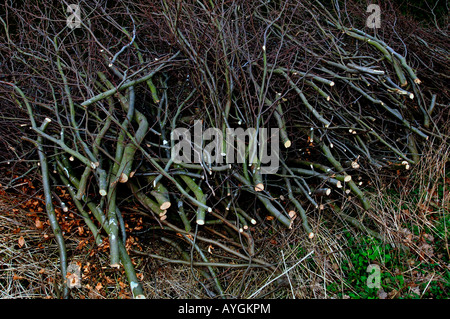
(346, 101)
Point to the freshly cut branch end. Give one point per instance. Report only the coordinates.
(64, 207)
(165, 206)
(406, 164)
(322, 192)
(162, 213)
(123, 178)
(292, 214)
(259, 187)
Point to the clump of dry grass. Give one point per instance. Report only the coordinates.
(415, 200)
(26, 271)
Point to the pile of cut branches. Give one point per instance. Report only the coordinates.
(96, 108)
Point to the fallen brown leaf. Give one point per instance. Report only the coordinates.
(38, 224)
(21, 241)
(16, 277)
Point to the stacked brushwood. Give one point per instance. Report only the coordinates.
(95, 107)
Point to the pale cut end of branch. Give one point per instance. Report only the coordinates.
(292, 214)
(417, 81)
(259, 187)
(165, 205)
(287, 144)
(347, 178)
(322, 192)
(245, 227)
(117, 266)
(253, 221)
(140, 297)
(332, 83)
(200, 222)
(162, 213)
(94, 165)
(406, 164)
(338, 184)
(209, 209)
(123, 178)
(311, 235)
(64, 207)
(163, 217)
(103, 192)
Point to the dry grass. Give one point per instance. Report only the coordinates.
(26, 271)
